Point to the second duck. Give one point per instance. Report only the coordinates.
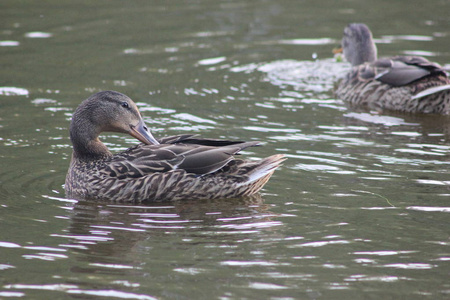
(402, 83)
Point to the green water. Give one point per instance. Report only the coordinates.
(360, 210)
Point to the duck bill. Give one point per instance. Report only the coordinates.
(141, 133)
(338, 50)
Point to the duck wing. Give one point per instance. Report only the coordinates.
(194, 139)
(192, 158)
(401, 70)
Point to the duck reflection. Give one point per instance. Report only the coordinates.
(117, 234)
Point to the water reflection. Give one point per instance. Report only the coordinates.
(106, 232)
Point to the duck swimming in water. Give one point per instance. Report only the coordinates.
(402, 83)
(172, 168)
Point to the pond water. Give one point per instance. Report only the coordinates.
(360, 210)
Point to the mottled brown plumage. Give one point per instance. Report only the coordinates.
(403, 83)
(173, 168)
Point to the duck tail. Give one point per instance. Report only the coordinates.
(432, 90)
(259, 174)
(265, 167)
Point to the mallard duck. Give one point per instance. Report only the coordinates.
(172, 168)
(403, 83)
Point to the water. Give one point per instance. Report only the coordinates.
(360, 210)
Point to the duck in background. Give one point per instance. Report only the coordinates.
(402, 83)
(172, 168)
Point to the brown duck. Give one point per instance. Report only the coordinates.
(172, 168)
(403, 83)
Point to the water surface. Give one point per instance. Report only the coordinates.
(360, 209)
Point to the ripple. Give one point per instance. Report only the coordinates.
(382, 278)
(204, 34)
(49, 287)
(316, 157)
(112, 266)
(5, 267)
(324, 168)
(266, 286)
(320, 244)
(160, 110)
(316, 76)
(378, 119)
(420, 152)
(84, 238)
(45, 256)
(250, 263)
(30, 176)
(9, 245)
(420, 53)
(9, 43)
(333, 266)
(383, 252)
(192, 118)
(39, 101)
(410, 266)
(313, 42)
(391, 38)
(38, 35)
(252, 225)
(11, 294)
(190, 271)
(44, 248)
(13, 91)
(74, 290)
(111, 294)
(94, 225)
(118, 228)
(266, 129)
(211, 61)
(430, 208)
(385, 159)
(60, 199)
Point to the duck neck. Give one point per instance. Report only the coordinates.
(368, 53)
(86, 144)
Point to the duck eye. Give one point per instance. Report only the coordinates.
(125, 105)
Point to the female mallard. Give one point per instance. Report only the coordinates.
(403, 83)
(173, 168)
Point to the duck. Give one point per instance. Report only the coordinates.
(410, 84)
(171, 168)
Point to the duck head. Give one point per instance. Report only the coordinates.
(106, 111)
(358, 45)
